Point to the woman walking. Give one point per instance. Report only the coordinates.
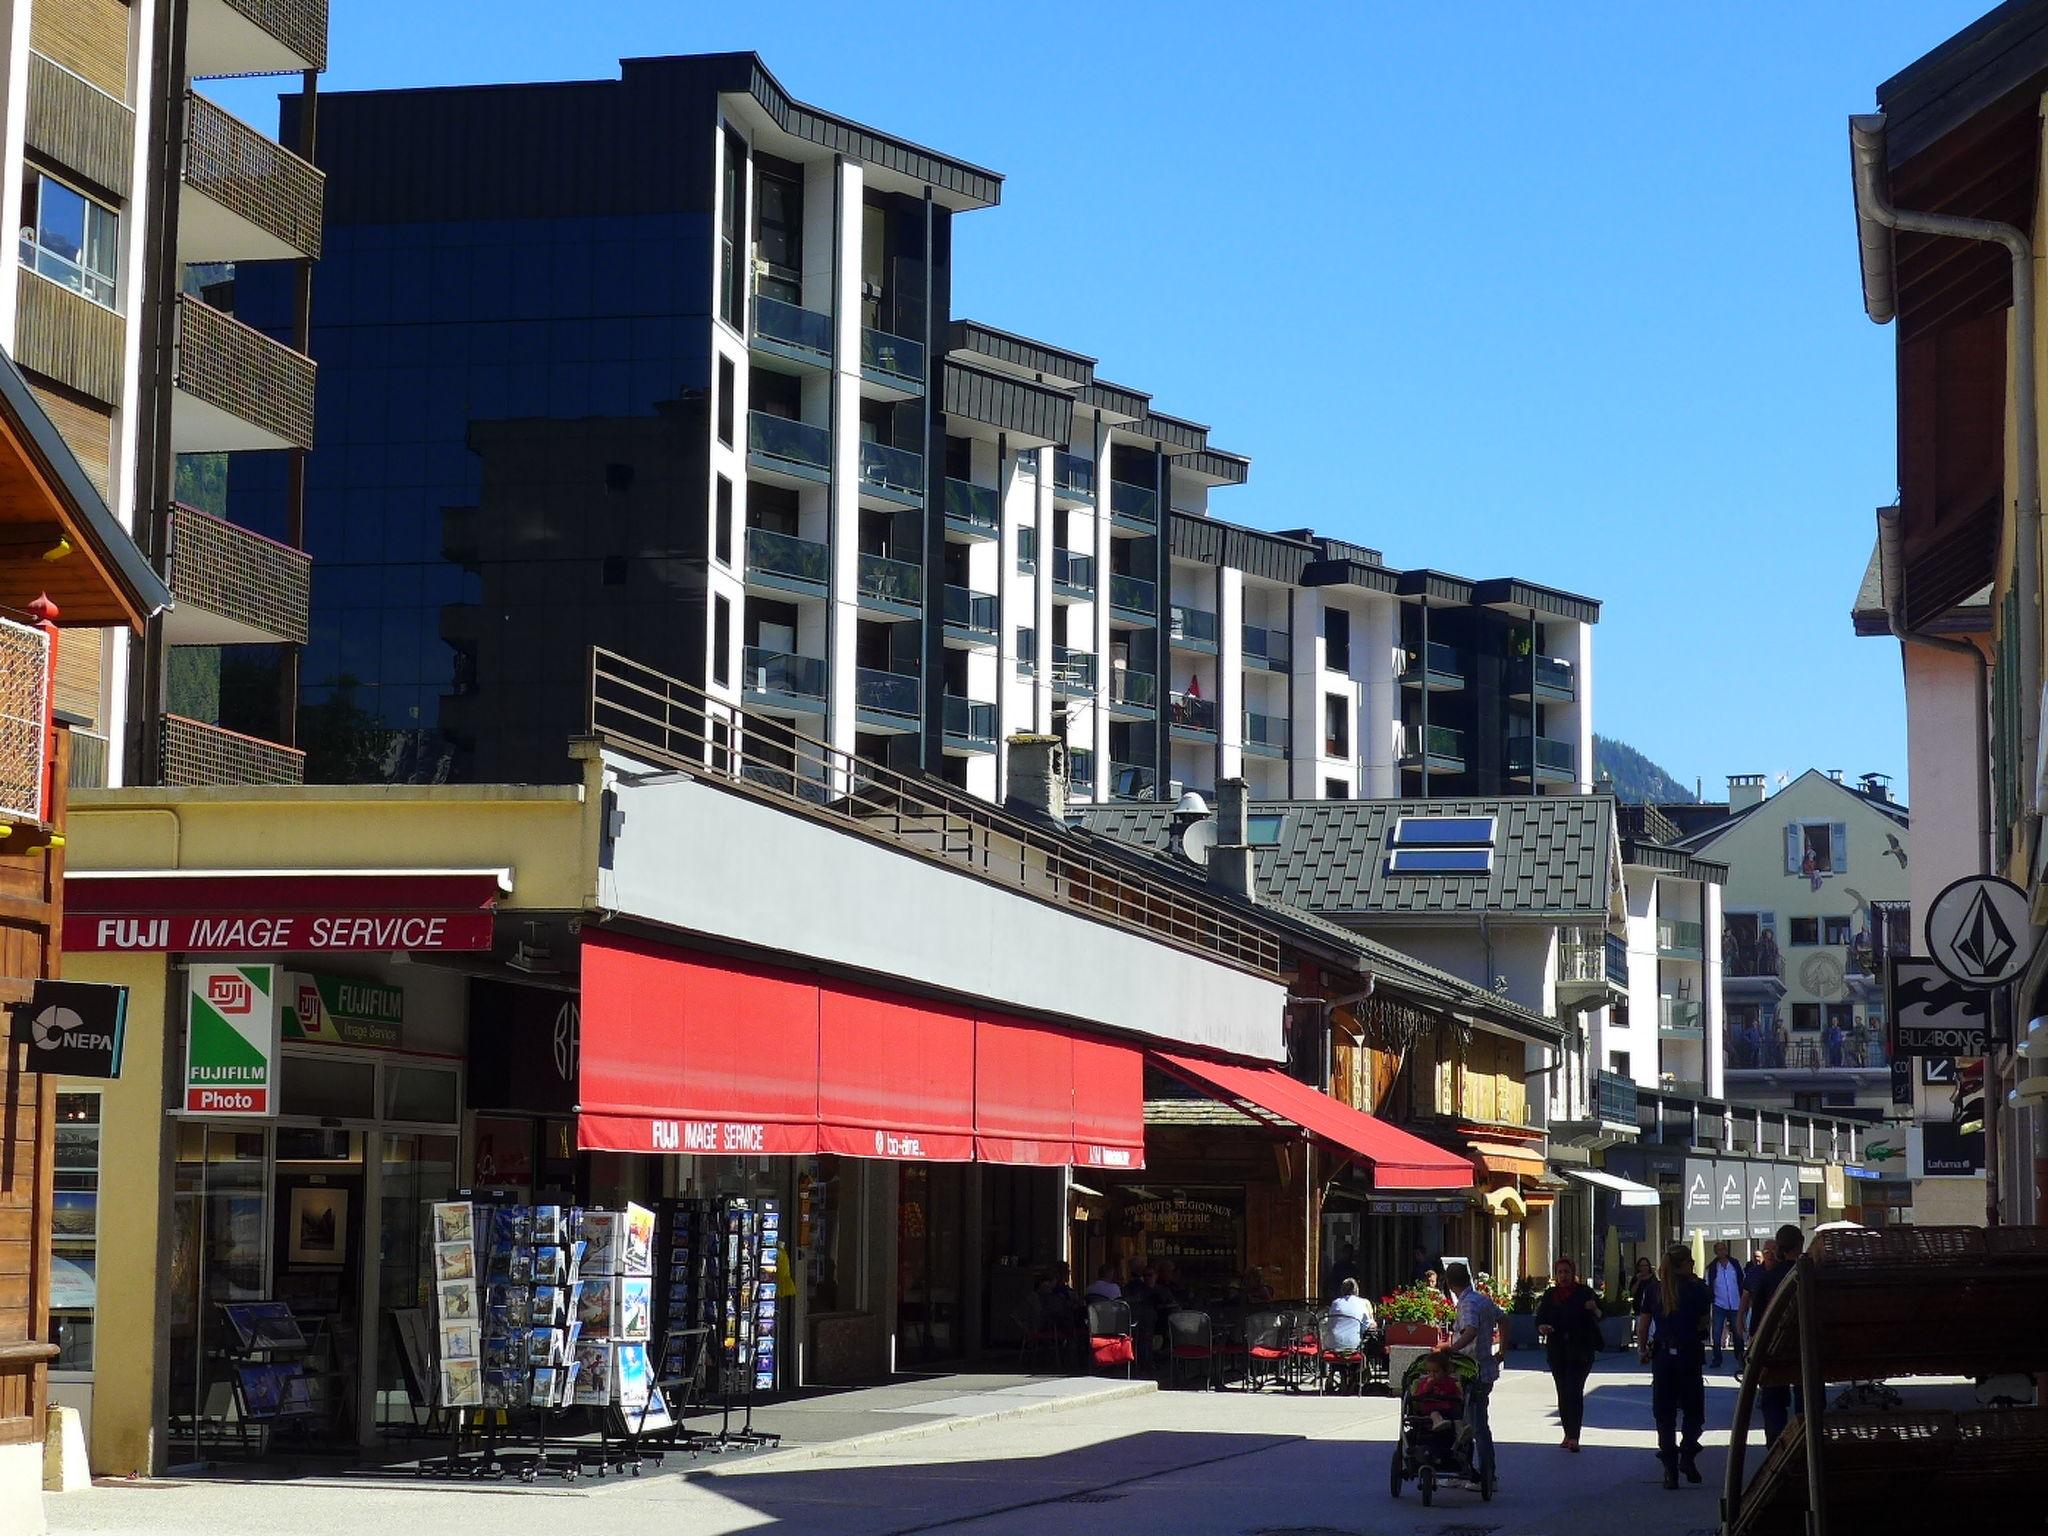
(1568, 1322)
(1672, 1335)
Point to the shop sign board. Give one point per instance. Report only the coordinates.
(1731, 1199)
(1199, 1228)
(232, 1028)
(1786, 1178)
(1940, 1150)
(1979, 931)
(1699, 1194)
(1763, 1199)
(1932, 1013)
(73, 1028)
(339, 1010)
(257, 932)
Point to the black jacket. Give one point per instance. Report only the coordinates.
(1574, 1326)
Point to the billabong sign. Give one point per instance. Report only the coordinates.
(1932, 1013)
(73, 1028)
(231, 1040)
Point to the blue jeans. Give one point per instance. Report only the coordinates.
(1478, 1399)
(1731, 1318)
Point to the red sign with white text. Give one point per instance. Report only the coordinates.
(269, 912)
(227, 933)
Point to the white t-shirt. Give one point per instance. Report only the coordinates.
(1348, 1314)
(1108, 1290)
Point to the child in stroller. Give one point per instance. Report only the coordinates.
(1435, 1442)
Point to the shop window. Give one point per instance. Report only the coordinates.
(328, 1089)
(420, 1095)
(74, 1230)
(69, 238)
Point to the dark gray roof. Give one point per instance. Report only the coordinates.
(1002, 400)
(1553, 857)
(1040, 357)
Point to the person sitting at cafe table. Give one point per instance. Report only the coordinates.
(1064, 1310)
(1350, 1316)
(1104, 1286)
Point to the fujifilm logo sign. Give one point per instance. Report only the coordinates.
(232, 1027)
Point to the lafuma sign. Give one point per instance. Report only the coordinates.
(232, 1021)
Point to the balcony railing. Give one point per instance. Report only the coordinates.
(1075, 572)
(782, 440)
(196, 753)
(1743, 960)
(1265, 732)
(253, 583)
(1748, 1047)
(1436, 663)
(242, 374)
(1592, 955)
(1137, 689)
(1269, 648)
(1072, 671)
(1133, 594)
(88, 758)
(793, 326)
(783, 674)
(1072, 477)
(1441, 743)
(1027, 653)
(899, 357)
(253, 177)
(1192, 712)
(1194, 627)
(1678, 1018)
(1679, 937)
(974, 612)
(1542, 756)
(897, 472)
(1614, 1098)
(1554, 677)
(1081, 770)
(972, 508)
(786, 557)
(1134, 503)
(967, 720)
(889, 580)
(1027, 548)
(289, 36)
(888, 693)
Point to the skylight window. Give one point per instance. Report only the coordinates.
(1442, 845)
(1262, 828)
(1440, 861)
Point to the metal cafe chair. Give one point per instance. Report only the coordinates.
(1304, 1344)
(1038, 1335)
(1268, 1348)
(1110, 1339)
(1343, 1365)
(1191, 1348)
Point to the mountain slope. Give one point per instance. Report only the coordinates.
(1637, 780)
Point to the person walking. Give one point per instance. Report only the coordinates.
(1671, 1335)
(1639, 1284)
(1724, 1279)
(1777, 1404)
(1568, 1323)
(1478, 1335)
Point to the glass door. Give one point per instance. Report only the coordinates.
(220, 1233)
(931, 1207)
(415, 1170)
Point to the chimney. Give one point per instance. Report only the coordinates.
(1878, 786)
(1230, 864)
(1745, 790)
(1038, 777)
(1835, 774)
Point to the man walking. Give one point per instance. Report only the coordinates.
(1478, 1335)
(1776, 1404)
(1724, 1279)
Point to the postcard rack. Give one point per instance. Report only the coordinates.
(264, 1349)
(721, 1259)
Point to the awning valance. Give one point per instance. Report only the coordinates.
(1631, 1193)
(1397, 1159)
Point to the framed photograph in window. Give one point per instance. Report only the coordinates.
(317, 1232)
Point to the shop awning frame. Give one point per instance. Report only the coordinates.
(1398, 1159)
(1631, 1193)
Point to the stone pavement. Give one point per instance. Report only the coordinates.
(989, 1456)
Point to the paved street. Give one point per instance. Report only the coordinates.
(1178, 1462)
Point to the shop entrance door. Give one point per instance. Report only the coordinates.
(220, 1252)
(931, 1221)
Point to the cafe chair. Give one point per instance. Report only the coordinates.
(1268, 1349)
(1343, 1367)
(1191, 1349)
(1304, 1344)
(1039, 1336)
(1110, 1340)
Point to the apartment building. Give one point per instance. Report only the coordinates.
(1673, 942)
(140, 197)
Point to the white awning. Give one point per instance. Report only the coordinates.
(1631, 1192)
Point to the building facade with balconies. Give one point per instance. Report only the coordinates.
(1662, 1037)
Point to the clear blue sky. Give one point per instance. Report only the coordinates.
(1567, 293)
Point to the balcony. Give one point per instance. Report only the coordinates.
(1614, 1100)
(233, 587)
(1550, 679)
(1073, 576)
(1133, 508)
(195, 753)
(1435, 667)
(1267, 650)
(88, 758)
(1027, 653)
(887, 701)
(788, 451)
(1194, 629)
(1133, 781)
(1132, 599)
(1752, 969)
(1132, 695)
(1545, 759)
(971, 511)
(1073, 479)
(891, 476)
(1266, 735)
(970, 616)
(255, 37)
(1073, 672)
(1747, 1047)
(970, 726)
(1192, 715)
(791, 332)
(237, 390)
(1592, 967)
(1081, 772)
(786, 563)
(782, 680)
(894, 364)
(1438, 747)
(1680, 940)
(894, 587)
(247, 197)
(1678, 1018)
(1027, 548)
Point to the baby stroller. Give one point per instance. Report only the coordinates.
(1430, 1455)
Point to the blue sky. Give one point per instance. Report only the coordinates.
(1568, 293)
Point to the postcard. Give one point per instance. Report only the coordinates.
(593, 1373)
(455, 1222)
(462, 1384)
(457, 1299)
(630, 1371)
(634, 1308)
(459, 1341)
(454, 1261)
(636, 1254)
(594, 1308)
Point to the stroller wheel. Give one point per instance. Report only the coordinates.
(1427, 1483)
(1394, 1478)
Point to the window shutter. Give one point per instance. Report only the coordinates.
(1838, 846)
(1794, 848)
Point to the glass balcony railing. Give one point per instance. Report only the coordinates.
(972, 611)
(1614, 1098)
(792, 325)
(1680, 937)
(1679, 1017)
(1134, 503)
(1555, 677)
(1194, 626)
(1441, 742)
(1134, 594)
(1617, 960)
(1542, 756)
(896, 470)
(1267, 647)
(890, 580)
(899, 356)
(1073, 571)
(1027, 549)
(794, 442)
(1133, 781)
(1592, 955)
(1072, 477)
(887, 693)
(1140, 689)
(779, 672)
(1269, 732)
(785, 555)
(970, 721)
(1435, 660)
(1072, 671)
(971, 506)
(1081, 770)
(1027, 653)
(1192, 712)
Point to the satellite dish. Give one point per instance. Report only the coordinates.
(1198, 840)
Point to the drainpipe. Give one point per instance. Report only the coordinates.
(1876, 218)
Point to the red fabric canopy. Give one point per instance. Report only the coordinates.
(1398, 1160)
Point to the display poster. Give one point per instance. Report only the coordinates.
(339, 1010)
(231, 1040)
(1697, 1178)
(1731, 1200)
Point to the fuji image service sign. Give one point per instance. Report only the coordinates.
(232, 1022)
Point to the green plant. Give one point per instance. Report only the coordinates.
(1527, 1289)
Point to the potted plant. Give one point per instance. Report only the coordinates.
(1417, 1315)
(1521, 1311)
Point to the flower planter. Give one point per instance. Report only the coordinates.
(1417, 1335)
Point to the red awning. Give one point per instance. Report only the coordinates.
(684, 1052)
(1397, 1159)
(259, 911)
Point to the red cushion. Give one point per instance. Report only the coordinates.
(1264, 1352)
(1115, 1350)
